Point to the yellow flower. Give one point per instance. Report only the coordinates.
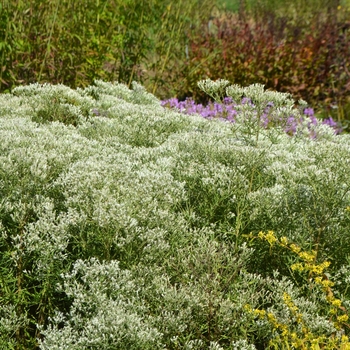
(286, 297)
(284, 329)
(309, 257)
(297, 267)
(295, 248)
(248, 308)
(327, 283)
(289, 302)
(260, 313)
(342, 318)
(318, 280)
(336, 302)
(270, 237)
(304, 330)
(344, 339)
(284, 240)
(317, 269)
(326, 264)
(299, 318)
(261, 235)
(333, 311)
(294, 336)
(271, 317)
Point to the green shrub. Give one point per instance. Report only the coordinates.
(133, 228)
(304, 54)
(74, 43)
(296, 330)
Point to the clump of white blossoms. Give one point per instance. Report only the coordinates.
(257, 110)
(126, 225)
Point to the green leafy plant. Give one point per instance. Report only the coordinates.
(131, 226)
(75, 43)
(303, 53)
(297, 332)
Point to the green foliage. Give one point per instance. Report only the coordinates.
(56, 103)
(133, 226)
(292, 46)
(302, 50)
(296, 332)
(230, 5)
(74, 43)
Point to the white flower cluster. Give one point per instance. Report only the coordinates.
(105, 312)
(215, 89)
(124, 225)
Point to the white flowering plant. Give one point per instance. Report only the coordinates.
(127, 225)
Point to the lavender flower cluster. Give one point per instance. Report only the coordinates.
(227, 110)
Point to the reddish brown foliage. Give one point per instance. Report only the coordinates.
(309, 60)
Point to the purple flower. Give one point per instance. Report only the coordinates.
(291, 125)
(218, 108)
(227, 111)
(331, 123)
(309, 112)
(228, 100)
(247, 100)
(171, 103)
(313, 120)
(96, 112)
(264, 120)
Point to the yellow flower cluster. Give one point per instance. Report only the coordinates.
(260, 313)
(288, 301)
(307, 340)
(294, 248)
(297, 267)
(284, 241)
(286, 337)
(342, 318)
(308, 258)
(325, 283)
(336, 303)
(269, 236)
(310, 266)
